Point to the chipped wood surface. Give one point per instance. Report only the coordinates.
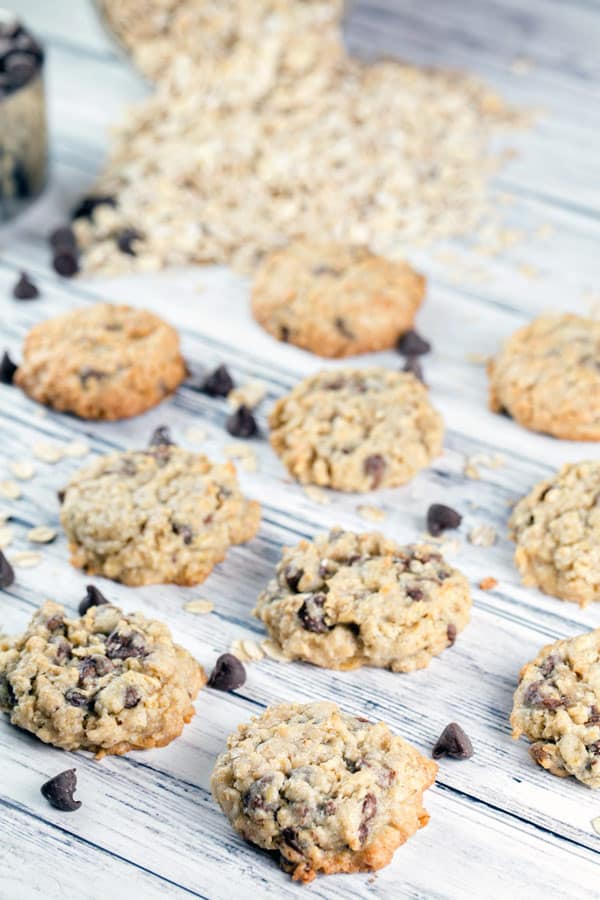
(148, 826)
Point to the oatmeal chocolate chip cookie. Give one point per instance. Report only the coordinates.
(108, 682)
(345, 600)
(557, 707)
(328, 791)
(556, 528)
(356, 429)
(335, 300)
(101, 362)
(547, 377)
(155, 516)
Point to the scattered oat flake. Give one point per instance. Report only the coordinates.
(42, 534)
(488, 584)
(372, 513)
(529, 271)
(22, 469)
(252, 650)
(521, 65)
(195, 435)
(76, 449)
(237, 450)
(10, 490)
(478, 359)
(250, 394)
(26, 559)
(50, 453)
(316, 494)
(596, 824)
(199, 607)
(6, 536)
(482, 535)
(249, 463)
(237, 650)
(272, 649)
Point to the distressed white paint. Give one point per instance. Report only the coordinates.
(500, 826)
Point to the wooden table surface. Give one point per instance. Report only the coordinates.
(500, 826)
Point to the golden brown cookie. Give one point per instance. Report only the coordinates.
(335, 300)
(547, 377)
(101, 362)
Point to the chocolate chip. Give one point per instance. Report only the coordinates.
(161, 437)
(415, 593)
(132, 697)
(284, 333)
(413, 365)
(59, 791)
(86, 373)
(241, 423)
(63, 650)
(126, 646)
(7, 369)
(219, 383)
(75, 698)
(7, 575)
(95, 666)
(412, 344)
(374, 466)
(369, 811)
(184, 531)
(548, 666)
(343, 329)
(534, 697)
(93, 597)
(312, 614)
(292, 576)
(228, 674)
(594, 748)
(7, 695)
(453, 742)
(25, 289)
(63, 238)
(20, 68)
(440, 518)
(125, 240)
(65, 262)
(451, 634)
(290, 837)
(61, 496)
(254, 798)
(87, 205)
(594, 717)
(54, 623)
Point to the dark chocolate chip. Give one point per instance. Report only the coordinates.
(7, 695)
(132, 697)
(63, 238)
(75, 698)
(594, 748)
(126, 645)
(453, 742)
(65, 262)
(312, 614)
(534, 697)
(292, 577)
(374, 466)
(290, 837)
(63, 650)
(126, 239)
(369, 811)
(161, 437)
(415, 593)
(284, 333)
(184, 531)
(94, 667)
(594, 717)
(20, 67)
(7, 575)
(548, 666)
(241, 423)
(93, 597)
(343, 329)
(413, 365)
(7, 369)
(87, 205)
(59, 791)
(55, 623)
(412, 344)
(219, 383)
(441, 518)
(86, 373)
(451, 634)
(25, 289)
(254, 798)
(228, 674)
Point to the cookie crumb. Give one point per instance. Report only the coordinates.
(488, 584)
(372, 513)
(199, 607)
(482, 535)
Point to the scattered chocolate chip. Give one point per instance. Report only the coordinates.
(312, 614)
(451, 634)
(369, 811)
(184, 531)
(87, 205)
(7, 369)
(93, 597)
(413, 365)
(25, 289)
(94, 667)
(59, 791)
(65, 262)
(241, 423)
(219, 383)
(228, 674)
(292, 577)
(125, 646)
(412, 344)
(125, 240)
(61, 496)
(132, 697)
(441, 518)
(161, 437)
(453, 742)
(375, 467)
(63, 238)
(7, 575)
(75, 698)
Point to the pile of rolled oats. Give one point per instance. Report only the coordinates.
(262, 129)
